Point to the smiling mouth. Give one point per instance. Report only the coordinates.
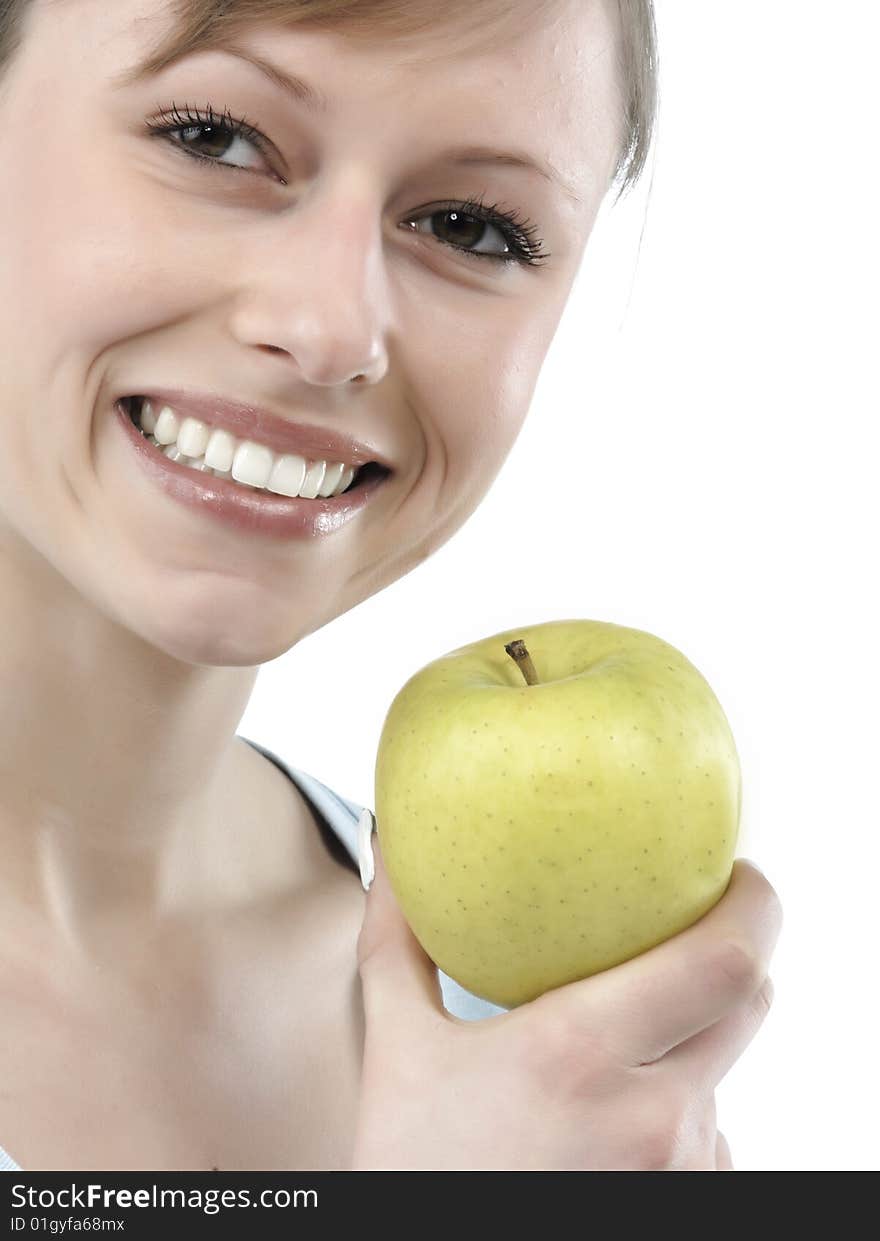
(253, 466)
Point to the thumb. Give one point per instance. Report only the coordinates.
(397, 975)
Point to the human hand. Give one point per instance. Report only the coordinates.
(617, 1071)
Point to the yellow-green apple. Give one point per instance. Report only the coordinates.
(553, 800)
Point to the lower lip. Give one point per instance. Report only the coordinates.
(240, 507)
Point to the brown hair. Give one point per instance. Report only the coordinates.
(201, 24)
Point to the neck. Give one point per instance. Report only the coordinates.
(121, 778)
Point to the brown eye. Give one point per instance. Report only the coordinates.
(459, 229)
(465, 232)
(222, 141)
(209, 134)
(216, 143)
(469, 227)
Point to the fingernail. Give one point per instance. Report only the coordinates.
(366, 861)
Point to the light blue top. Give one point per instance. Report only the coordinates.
(342, 815)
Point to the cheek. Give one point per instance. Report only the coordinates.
(96, 257)
(85, 266)
(480, 383)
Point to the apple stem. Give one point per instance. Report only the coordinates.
(518, 651)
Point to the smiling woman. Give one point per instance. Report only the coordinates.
(276, 284)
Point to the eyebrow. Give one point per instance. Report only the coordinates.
(292, 85)
(312, 99)
(516, 159)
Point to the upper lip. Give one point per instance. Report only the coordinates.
(246, 420)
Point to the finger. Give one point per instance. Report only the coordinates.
(723, 1160)
(643, 1007)
(397, 975)
(707, 1056)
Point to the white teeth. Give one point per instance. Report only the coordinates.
(252, 464)
(167, 426)
(214, 451)
(220, 451)
(331, 478)
(192, 438)
(313, 479)
(148, 418)
(287, 475)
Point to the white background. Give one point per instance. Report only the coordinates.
(700, 461)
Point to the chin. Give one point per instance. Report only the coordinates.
(220, 650)
(207, 635)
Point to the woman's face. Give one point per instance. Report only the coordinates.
(272, 277)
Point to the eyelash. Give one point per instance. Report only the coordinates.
(518, 233)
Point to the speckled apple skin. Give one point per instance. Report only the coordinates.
(530, 845)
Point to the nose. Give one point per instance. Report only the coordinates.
(314, 288)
